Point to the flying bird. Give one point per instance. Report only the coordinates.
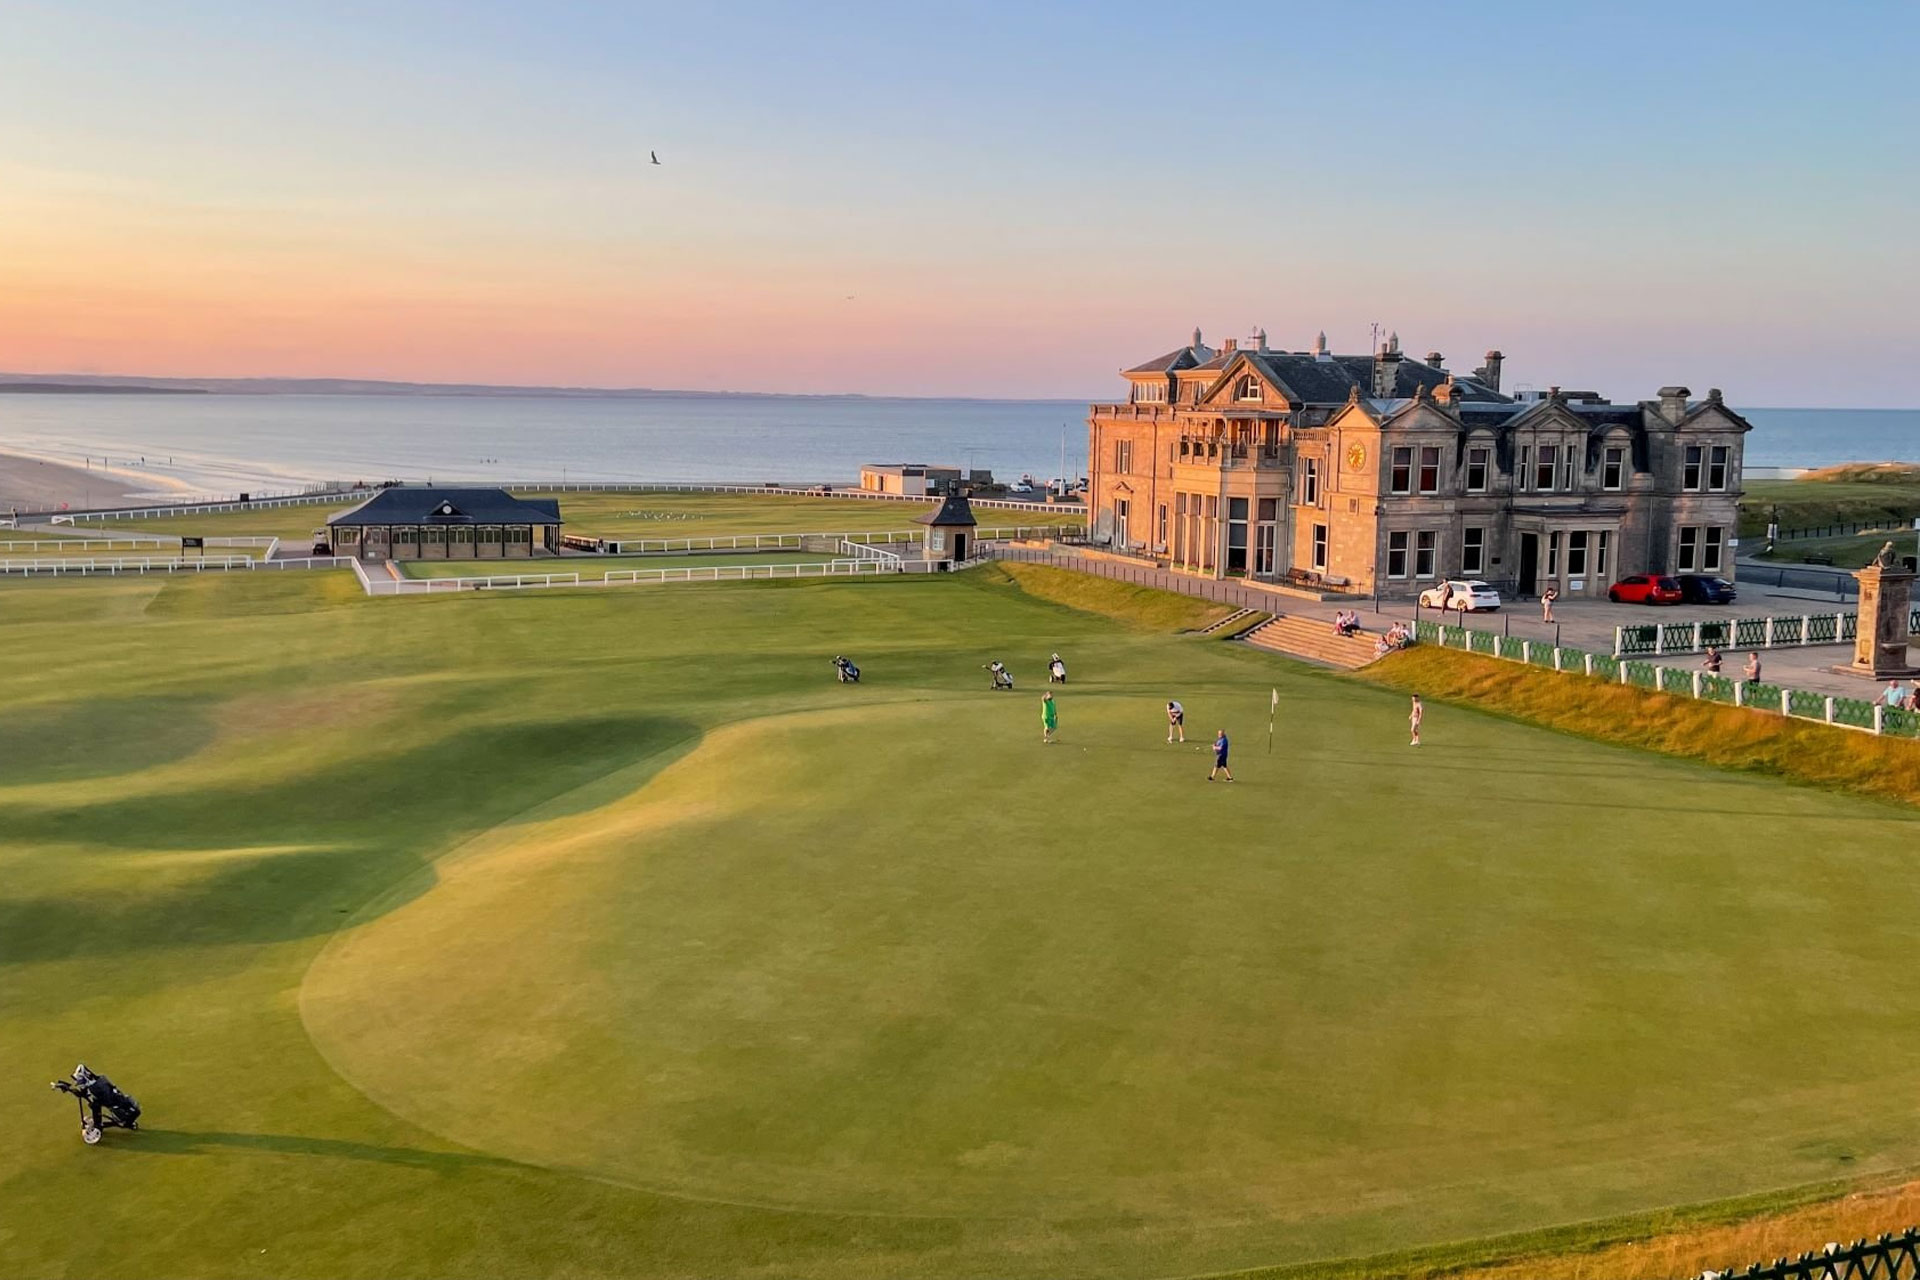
(655, 156)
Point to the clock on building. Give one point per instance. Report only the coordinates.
(1356, 457)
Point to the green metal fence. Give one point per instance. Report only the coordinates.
(1891, 1257)
(1740, 633)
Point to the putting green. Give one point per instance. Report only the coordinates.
(606, 934)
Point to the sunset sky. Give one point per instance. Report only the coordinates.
(992, 199)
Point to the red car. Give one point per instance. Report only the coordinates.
(1646, 588)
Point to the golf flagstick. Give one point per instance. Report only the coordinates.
(1271, 709)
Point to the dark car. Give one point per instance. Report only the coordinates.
(1704, 588)
(1645, 588)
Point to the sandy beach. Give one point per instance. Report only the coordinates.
(30, 484)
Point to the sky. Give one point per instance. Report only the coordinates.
(964, 199)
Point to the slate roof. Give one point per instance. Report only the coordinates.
(1182, 358)
(427, 505)
(1311, 380)
(954, 510)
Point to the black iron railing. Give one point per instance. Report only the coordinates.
(1891, 1257)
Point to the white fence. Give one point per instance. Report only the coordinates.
(800, 541)
(143, 564)
(381, 585)
(866, 551)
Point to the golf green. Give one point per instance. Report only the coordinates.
(605, 933)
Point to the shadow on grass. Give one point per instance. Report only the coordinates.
(186, 1142)
(353, 830)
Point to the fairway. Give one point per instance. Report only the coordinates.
(604, 933)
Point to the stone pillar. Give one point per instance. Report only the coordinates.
(1880, 639)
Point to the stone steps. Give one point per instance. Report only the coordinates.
(1313, 640)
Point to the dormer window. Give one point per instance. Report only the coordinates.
(1249, 388)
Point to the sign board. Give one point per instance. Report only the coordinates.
(201, 543)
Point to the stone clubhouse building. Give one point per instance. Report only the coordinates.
(423, 522)
(1383, 473)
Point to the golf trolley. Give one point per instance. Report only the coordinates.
(849, 674)
(102, 1106)
(1002, 678)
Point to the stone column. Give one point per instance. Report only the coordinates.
(1880, 639)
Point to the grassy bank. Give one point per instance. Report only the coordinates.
(1725, 736)
(1835, 495)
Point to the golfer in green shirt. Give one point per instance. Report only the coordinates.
(1049, 717)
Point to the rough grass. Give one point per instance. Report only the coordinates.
(1853, 552)
(1729, 737)
(1843, 497)
(1123, 601)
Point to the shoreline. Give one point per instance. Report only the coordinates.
(32, 483)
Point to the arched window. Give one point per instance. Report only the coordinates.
(1249, 388)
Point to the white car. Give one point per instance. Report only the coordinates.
(1465, 595)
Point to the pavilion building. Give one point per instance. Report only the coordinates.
(412, 522)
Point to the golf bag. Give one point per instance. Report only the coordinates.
(1002, 678)
(1056, 671)
(102, 1106)
(849, 674)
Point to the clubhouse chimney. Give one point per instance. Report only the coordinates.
(1673, 403)
(1386, 368)
(1489, 373)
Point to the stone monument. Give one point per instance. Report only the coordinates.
(1880, 639)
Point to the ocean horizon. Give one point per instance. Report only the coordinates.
(222, 442)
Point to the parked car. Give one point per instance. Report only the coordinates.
(1646, 588)
(1705, 588)
(1465, 595)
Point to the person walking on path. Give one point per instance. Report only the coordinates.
(1712, 664)
(1414, 717)
(1176, 721)
(1220, 746)
(1547, 598)
(1753, 668)
(1049, 717)
(1895, 696)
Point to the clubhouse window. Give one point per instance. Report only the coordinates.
(1423, 553)
(1160, 527)
(1544, 468)
(1717, 468)
(1397, 555)
(1689, 548)
(1123, 457)
(1473, 550)
(1710, 548)
(1690, 468)
(1249, 388)
(1523, 472)
(1613, 467)
(1310, 482)
(1600, 555)
(1401, 480)
(1577, 554)
(1553, 554)
(1320, 548)
(1477, 460)
(1430, 469)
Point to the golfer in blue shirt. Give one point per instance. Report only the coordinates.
(1220, 745)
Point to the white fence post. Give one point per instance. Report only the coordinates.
(1659, 639)
(1526, 651)
(1696, 683)
(1768, 642)
(1829, 708)
(1587, 662)
(1556, 657)
(1739, 693)
(1695, 645)
(1623, 673)
(1619, 634)
(1786, 701)
(1879, 717)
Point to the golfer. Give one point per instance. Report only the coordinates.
(1049, 717)
(1176, 721)
(1220, 745)
(1547, 598)
(1414, 717)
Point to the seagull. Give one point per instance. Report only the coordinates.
(655, 155)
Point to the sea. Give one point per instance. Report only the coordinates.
(226, 443)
